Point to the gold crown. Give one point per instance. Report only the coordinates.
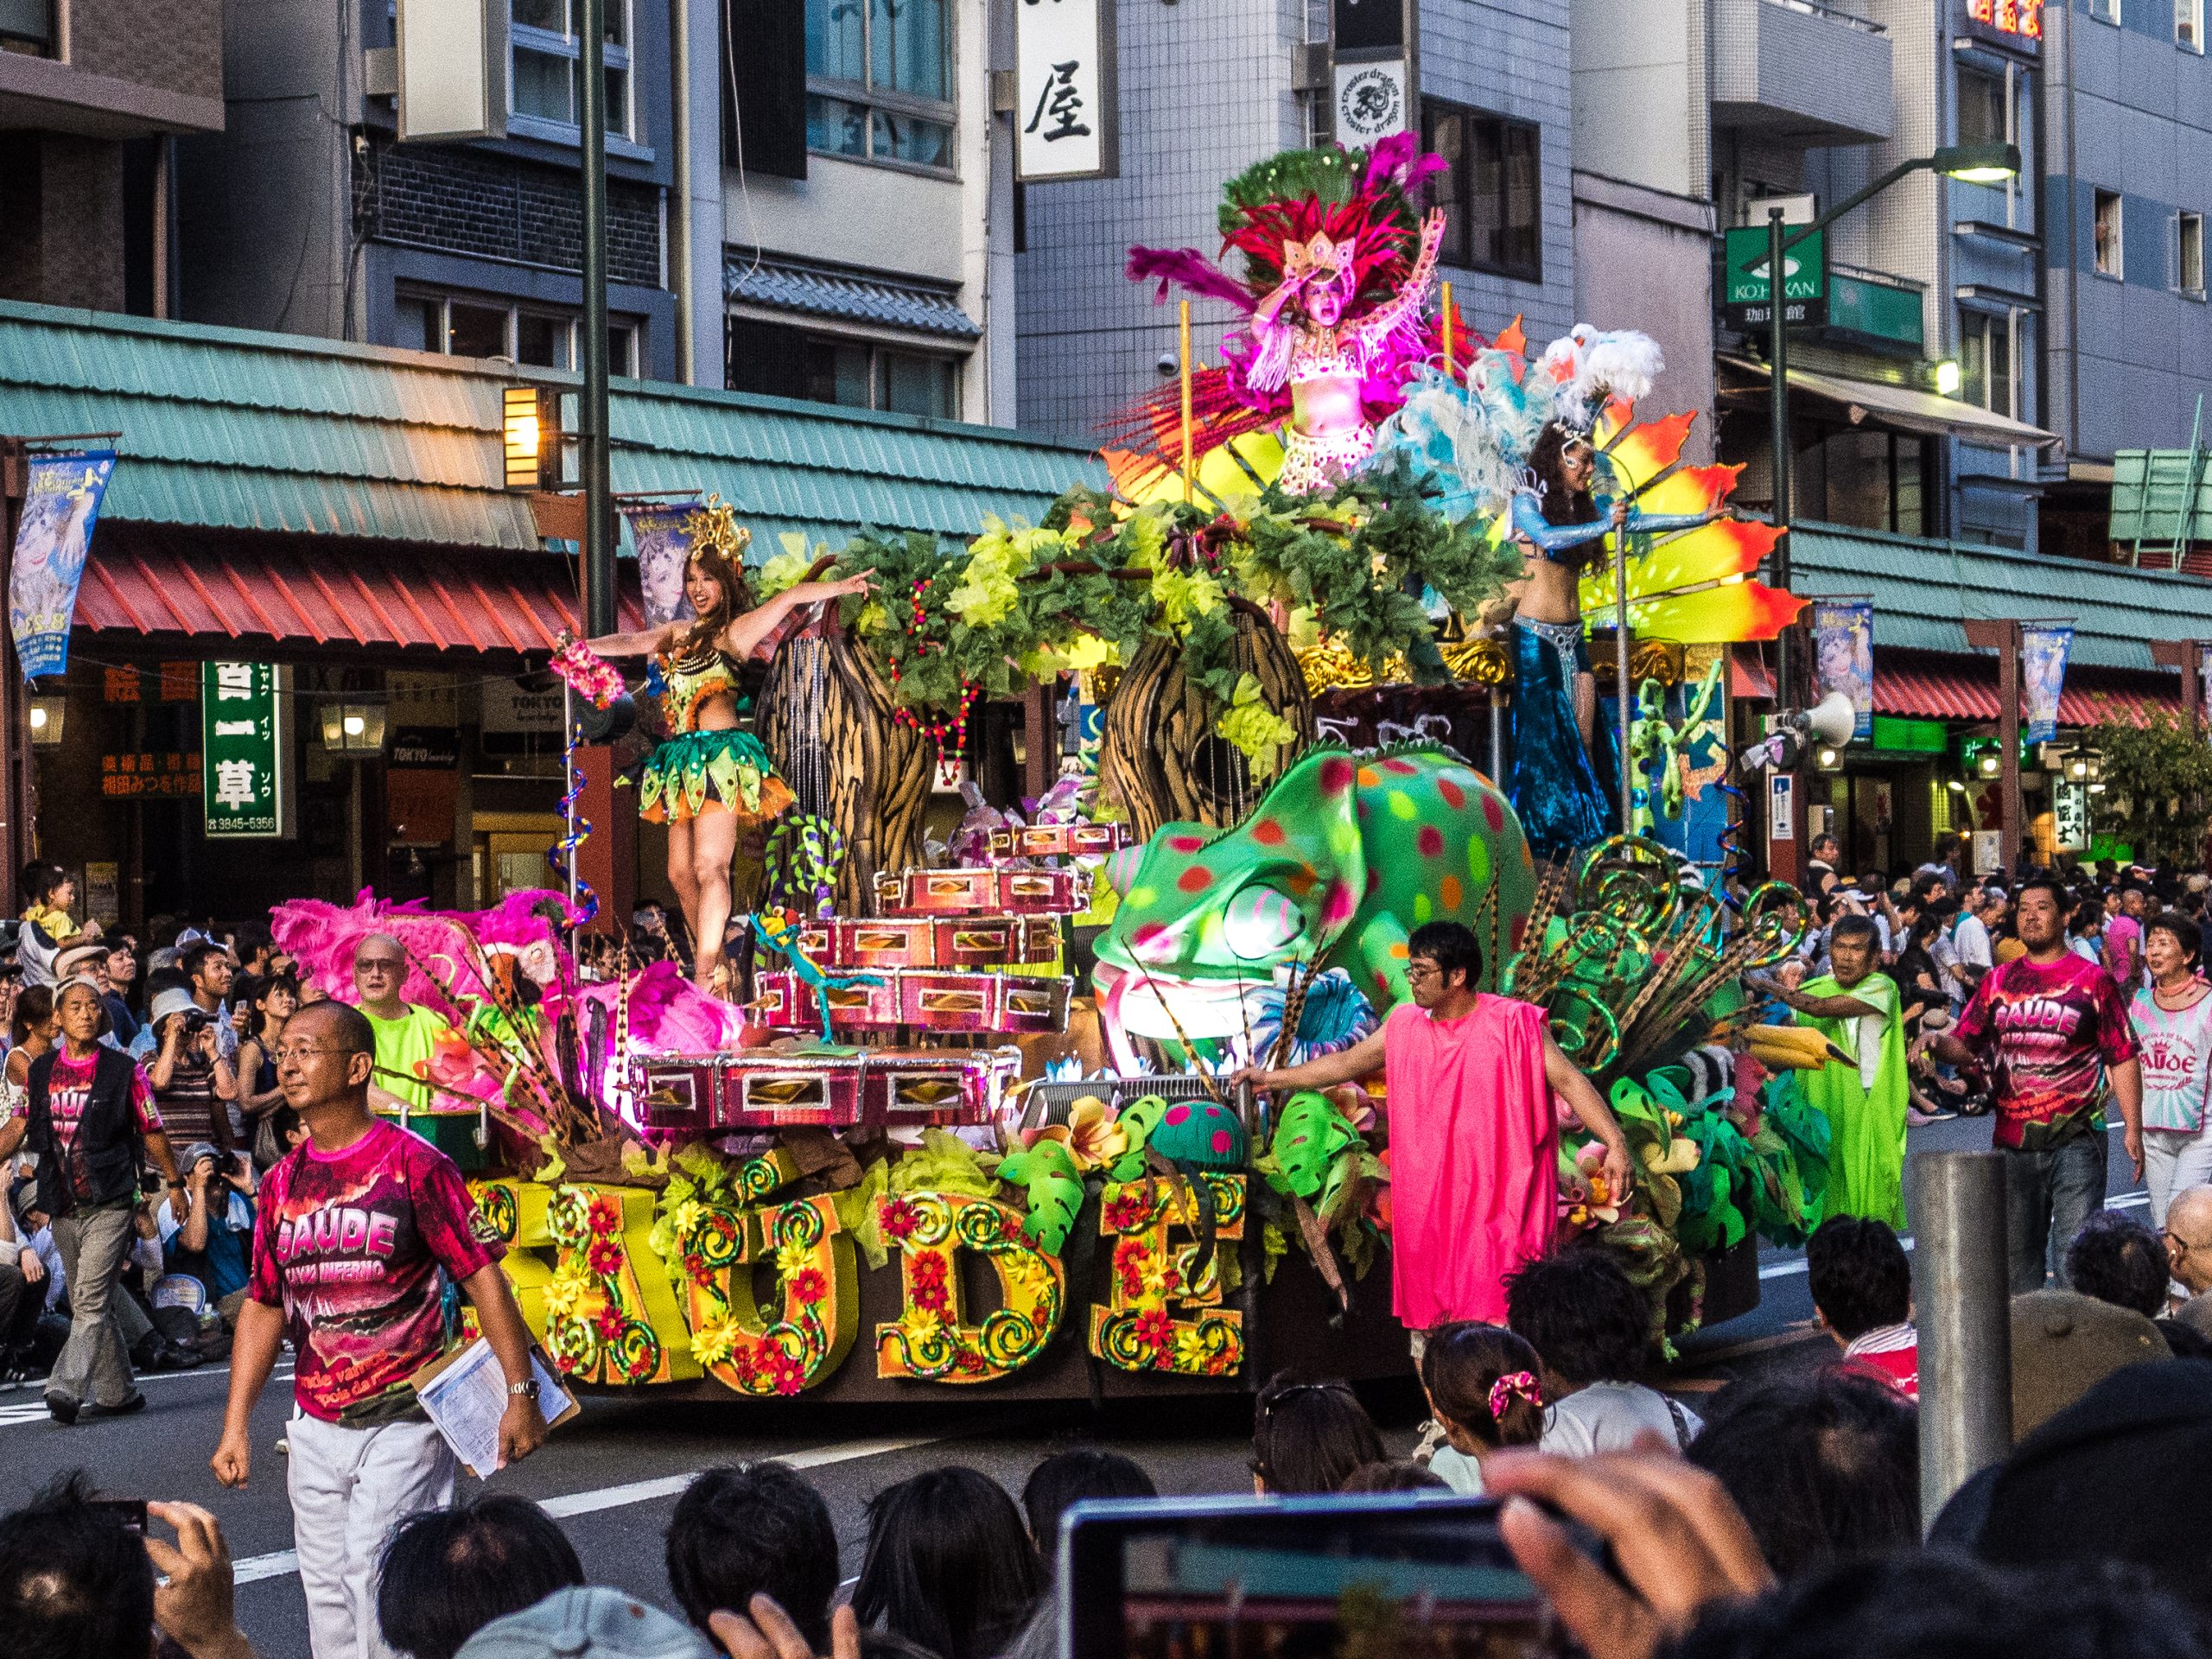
(1312, 257)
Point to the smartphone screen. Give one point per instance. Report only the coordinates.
(1394, 1575)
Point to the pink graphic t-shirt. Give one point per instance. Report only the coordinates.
(352, 1245)
(1474, 1150)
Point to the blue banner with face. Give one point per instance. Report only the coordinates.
(53, 539)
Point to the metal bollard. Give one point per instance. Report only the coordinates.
(1963, 1308)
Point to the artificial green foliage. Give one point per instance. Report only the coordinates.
(1095, 581)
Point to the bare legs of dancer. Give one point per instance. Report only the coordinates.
(699, 854)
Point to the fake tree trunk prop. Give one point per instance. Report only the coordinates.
(1162, 757)
(827, 721)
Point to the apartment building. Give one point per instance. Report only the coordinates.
(95, 95)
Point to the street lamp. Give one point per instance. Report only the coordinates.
(1973, 163)
(1970, 164)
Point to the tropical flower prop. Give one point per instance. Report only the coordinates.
(585, 672)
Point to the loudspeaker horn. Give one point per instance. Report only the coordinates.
(1834, 719)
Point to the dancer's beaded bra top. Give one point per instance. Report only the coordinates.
(694, 679)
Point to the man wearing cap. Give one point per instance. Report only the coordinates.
(208, 1230)
(406, 1033)
(89, 1114)
(361, 1227)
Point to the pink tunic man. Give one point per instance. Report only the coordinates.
(1474, 1136)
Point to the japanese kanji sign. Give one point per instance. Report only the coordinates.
(244, 738)
(1064, 93)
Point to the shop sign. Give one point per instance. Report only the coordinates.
(1371, 100)
(2069, 812)
(509, 707)
(425, 749)
(150, 775)
(104, 893)
(1064, 91)
(1747, 303)
(244, 720)
(2015, 23)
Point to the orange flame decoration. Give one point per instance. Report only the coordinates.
(1694, 586)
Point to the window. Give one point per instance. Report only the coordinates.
(1983, 108)
(478, 325)
(781, 362)
(2188, 24)
(1490, 189)
(1987, 377)
(2105, 12)
(2188, 254)
(2106, 209)
(546, 87)
(879, 81)
(27, 26)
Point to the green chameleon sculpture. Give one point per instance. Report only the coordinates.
(1340, 861)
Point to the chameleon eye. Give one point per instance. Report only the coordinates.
(1259, 922)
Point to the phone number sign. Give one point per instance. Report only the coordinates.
(245, 784)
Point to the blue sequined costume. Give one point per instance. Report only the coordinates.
(1566, 795)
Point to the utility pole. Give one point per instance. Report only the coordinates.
(598, 488)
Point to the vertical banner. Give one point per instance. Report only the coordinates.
(2043, 648)
(245, 767)
(1843, 656)
(1064, 94)
(2204, 683)
(61, 507)
(1371, 90)
(663, 539)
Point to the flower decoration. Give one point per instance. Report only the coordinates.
(585, 672)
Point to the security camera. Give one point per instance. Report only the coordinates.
(1167, 365)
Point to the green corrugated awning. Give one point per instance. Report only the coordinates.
(229, 429)
(1922, 589)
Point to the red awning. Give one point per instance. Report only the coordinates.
(1748, 676)
(320, 590)
(1926, 691)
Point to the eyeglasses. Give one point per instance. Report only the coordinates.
(378, 965)
(284, 1051)
(1422, 970)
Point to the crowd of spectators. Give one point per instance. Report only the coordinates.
(1786, 1523)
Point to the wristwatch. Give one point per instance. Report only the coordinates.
(527, 1389)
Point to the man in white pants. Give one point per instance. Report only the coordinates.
(360, 1226)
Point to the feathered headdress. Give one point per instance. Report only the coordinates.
(1361, 204)
(1592, 367)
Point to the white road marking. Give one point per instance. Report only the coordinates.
(28, 1403)
(284, 1563)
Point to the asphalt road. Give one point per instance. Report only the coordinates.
(612, 1475)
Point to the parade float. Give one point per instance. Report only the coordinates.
(916, 1146)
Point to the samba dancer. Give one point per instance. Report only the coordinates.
(1565, 779)
(709, 780)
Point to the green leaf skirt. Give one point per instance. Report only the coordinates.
(711, 771)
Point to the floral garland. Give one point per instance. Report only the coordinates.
(931, 1340)
(815, 1281)
(585, 672)
(1152, 1280)
(589, 1331)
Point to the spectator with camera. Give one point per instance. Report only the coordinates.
(193, 1080)
(91, 1119)
(208, 1230)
